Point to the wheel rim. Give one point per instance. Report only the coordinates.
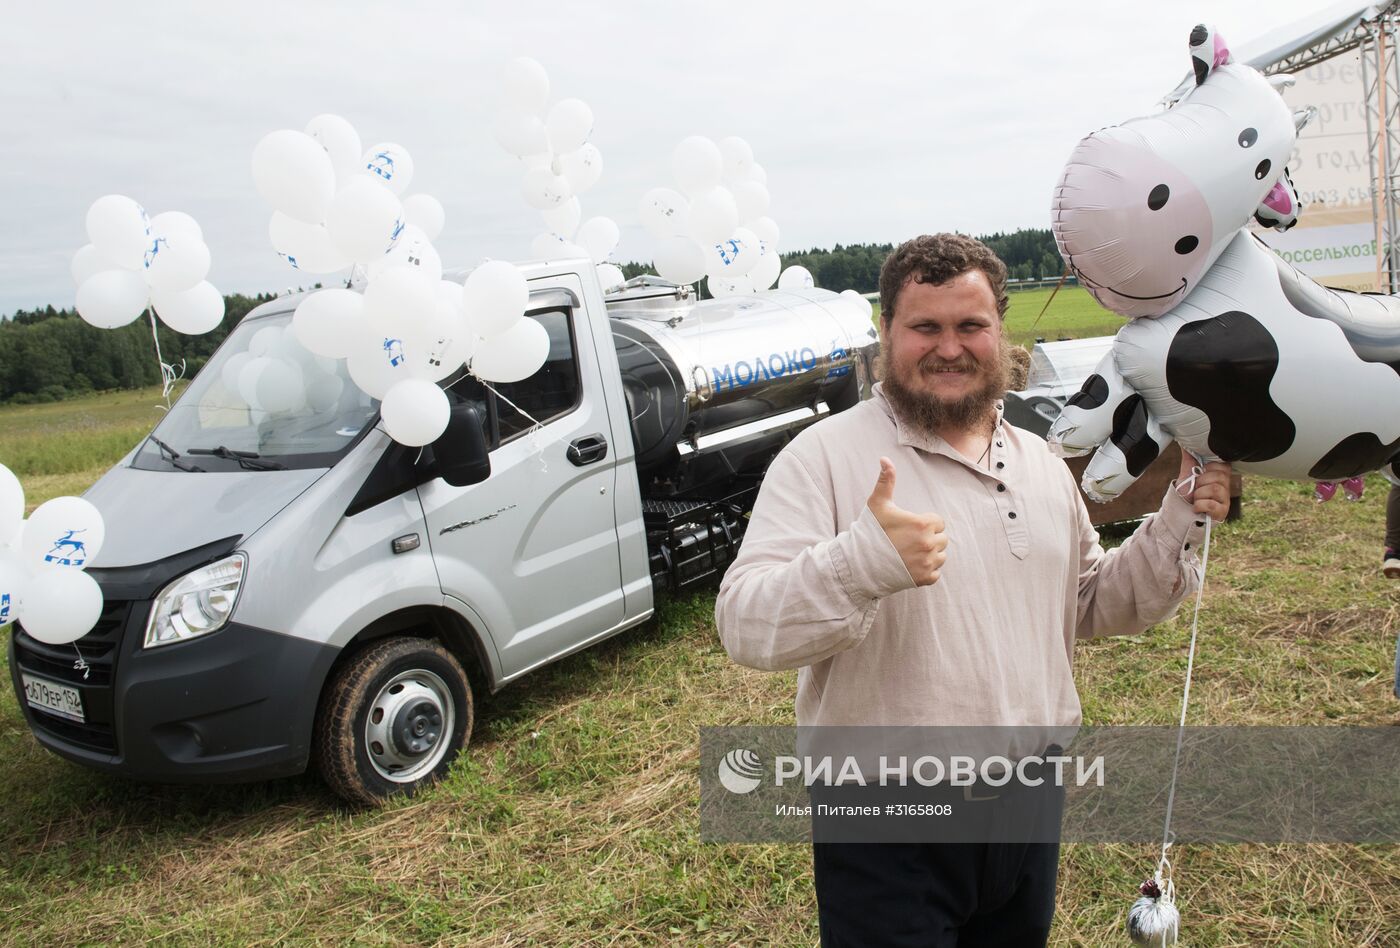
(409, 726)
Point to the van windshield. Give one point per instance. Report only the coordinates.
(264, 396)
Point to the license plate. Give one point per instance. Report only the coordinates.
(52, 697)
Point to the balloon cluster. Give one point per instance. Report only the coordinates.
(409, 329)
(42, 561)
(336, 204)
(560, 162)
(135, 261)
(717, 225)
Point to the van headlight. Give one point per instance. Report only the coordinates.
(197, 603)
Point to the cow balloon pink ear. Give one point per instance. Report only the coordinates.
(1208, 50)
(1279, 209)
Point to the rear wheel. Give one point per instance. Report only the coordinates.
(392, 720)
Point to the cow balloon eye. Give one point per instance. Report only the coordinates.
(1262, 169)
(1248, 137)
(1186, 244)
(1157, 197)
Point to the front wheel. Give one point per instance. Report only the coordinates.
(392, 720)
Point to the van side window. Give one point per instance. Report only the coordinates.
(552, 391)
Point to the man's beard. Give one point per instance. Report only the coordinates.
(933, 415)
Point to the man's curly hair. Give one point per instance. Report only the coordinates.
(937, 258)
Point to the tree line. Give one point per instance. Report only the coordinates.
(50, 354)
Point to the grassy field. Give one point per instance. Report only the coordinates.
(573, 818)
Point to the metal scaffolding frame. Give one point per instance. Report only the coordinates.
(1375, 36)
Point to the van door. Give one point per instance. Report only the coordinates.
(534, 548)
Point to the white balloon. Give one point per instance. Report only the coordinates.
(520, 134)
(737, 156)
(232, 372)
(88, 262)
(176, 223)
(328, 321)
(119, 229)
(524, 86)
(721, 287)
(713, 216)
(193, 312)
(424, 212)
(751, 198)
(341, 142)
(513, 355)
(680, 260)
(437, 358)
(112, 298)
(665, 213)
(389, 164)
(494, 297)
(294, 174)
(375, 363)
(280, 386)
(569, 124)
(796, 278)
(307, 247)
(364, 220)
(11, 505)
(598, 237)
(543, 189)
(736, 256)
(15, 576)
(610, 275)
(859, 302)
(323, 392)
(697, 164)
(766, 229)
(415, 412)
(400, 298)
(583, 167)
(66, 532)
(554, 247)
(413, 250)
(563, 220)
(756, 173)
(265, 340)
(176, 263)
(765, 272)
(61, 606)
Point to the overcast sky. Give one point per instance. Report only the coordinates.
(875, 120)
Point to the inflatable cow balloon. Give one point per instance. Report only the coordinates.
(1228, 350)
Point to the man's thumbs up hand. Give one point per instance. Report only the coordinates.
(919, 538)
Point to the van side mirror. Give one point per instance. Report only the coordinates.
(461, 453)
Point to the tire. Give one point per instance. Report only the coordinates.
(392, 720)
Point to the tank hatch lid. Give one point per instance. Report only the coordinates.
(650, 297)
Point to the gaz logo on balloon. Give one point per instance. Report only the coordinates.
(67, 551)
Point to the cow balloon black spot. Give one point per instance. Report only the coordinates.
(1223, 366)
(1355, 454)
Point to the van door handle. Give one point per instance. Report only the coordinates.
(587, 449)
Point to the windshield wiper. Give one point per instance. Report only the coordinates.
(173, 456)
(248, 460)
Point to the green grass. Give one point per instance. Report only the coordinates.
(573, 817)
(62, 447)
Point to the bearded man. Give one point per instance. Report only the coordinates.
(923, 564)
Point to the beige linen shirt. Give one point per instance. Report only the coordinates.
(819, 586)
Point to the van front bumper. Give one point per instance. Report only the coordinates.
(236, 704)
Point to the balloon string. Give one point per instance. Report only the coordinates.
(535, 426)
(81, 665)
(1186, 690)
(169, 374)
(1063, 277)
